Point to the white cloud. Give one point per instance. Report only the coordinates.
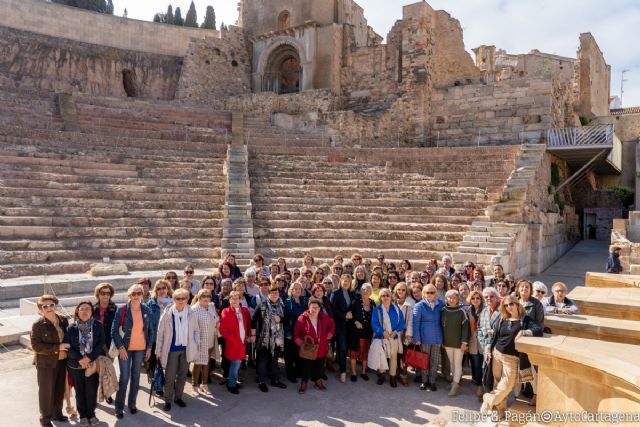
(518, 26)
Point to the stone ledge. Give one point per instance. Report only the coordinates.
(608, 280)
(619, 303)
(595, 327)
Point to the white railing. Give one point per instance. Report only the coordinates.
(586, 136)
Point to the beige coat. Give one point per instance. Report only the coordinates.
(108, 384)
(165, 336)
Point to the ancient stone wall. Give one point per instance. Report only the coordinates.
(266, 103)
(216, 68)
(509, 111)
(452, 63)
(97, 28)
(33, 60)
(594, 79)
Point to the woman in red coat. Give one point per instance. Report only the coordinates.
(313, 325)
(235, 328)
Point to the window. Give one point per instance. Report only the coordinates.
(283, 20)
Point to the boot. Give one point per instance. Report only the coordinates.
(303, 387)
(404, 380)
(393, 380)
(320, 386)
(454, 389)
(479, 391)
(381, 378)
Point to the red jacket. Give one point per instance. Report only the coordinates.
(304, 327)
(230, 331)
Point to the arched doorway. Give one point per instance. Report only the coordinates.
(283, 73)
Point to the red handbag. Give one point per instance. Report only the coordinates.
(417, 359)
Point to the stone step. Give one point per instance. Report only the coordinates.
(386, 233)
(53, 201)
(609, 280)
(94, 232)
(616, 303)
(320, 224)
(14, 327)
(111, 213)
(466, 249)
(413, 215)
(382, 244)
(89, 221)
(371, 198)
(391, 208)
(97, 255)
(105, 195)
(326, 254)
(594, 327)
(79, 243)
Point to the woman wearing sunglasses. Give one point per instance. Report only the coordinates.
(512, 323)
(47, 334)
(134, 345)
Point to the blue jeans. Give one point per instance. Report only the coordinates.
(129, 369)
(476, 367)
(234, 367)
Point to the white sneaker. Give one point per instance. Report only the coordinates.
(343, 377)
(204, 390)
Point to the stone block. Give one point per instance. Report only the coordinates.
(107, 269)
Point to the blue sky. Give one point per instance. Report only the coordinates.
(551, 26)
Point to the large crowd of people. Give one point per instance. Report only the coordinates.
(317, 319)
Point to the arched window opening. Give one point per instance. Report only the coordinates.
(283, 20)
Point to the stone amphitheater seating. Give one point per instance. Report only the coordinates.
(69, 199)
(31, 108)
(407, 203)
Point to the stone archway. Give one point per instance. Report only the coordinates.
(283, 70)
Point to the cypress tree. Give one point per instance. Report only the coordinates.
(177, 17)
(169, 16)
(192, 18)
(209, 22)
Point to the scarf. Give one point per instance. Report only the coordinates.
(271, 334)
(180, 325)
(164, 302)
(85, 331)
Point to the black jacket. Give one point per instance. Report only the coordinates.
(109, 315)
(527, 324)
(72, 337)
(340, 309)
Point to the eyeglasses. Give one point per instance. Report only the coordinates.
(264, 284)
(295, 273)
(476, 299)
(136, 294)
(431, 293)
(85, 309)
(489, 297)
(48, 306)
(181, 299)
(205, 296)
(188, 272)
(561, 291)
(105, 294)
(209, 283)
(540, 291)
(510, 304)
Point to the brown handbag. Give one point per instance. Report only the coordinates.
(309, 349)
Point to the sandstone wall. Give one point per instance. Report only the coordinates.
(97, 28)
(266, 103)
(216, 68)
(508, 111)
(452, 62)
(34, 60)
(259, 16)
(627, 129)
(594, 77)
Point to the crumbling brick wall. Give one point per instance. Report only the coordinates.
(216, 68)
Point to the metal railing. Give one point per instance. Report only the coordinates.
(586, 136)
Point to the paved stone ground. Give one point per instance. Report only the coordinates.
(359, 404)
(587, 255)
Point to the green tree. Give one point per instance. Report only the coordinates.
(169, 19)
(177, 17)
(209, 22)
(110, 7)
(94, 5)
(192, 18)
(223, 26)
(160, 18)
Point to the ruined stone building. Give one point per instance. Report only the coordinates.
(311, 77)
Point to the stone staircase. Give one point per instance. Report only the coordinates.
(237, 238)
(29, 108)
(328, 201)
(69, 200)
(511, 204)
(259, 132)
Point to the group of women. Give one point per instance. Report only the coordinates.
(316, 318)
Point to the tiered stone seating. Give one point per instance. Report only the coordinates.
(70, 199)
(151, 119)
(259, 132)
(407, 203)
(32, 108)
